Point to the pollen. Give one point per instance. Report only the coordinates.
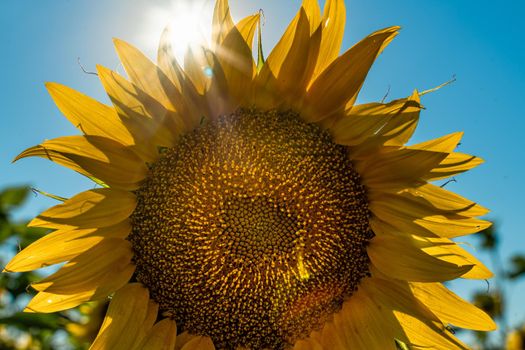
(252, 230)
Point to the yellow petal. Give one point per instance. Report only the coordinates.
(307, 344)
(103, 268)
(199, 343)
(450, 251)
(419, 323)
(314, 45)
(394, 297)
(94, 156)
(62, 245)
(313, 12)
(366, 324)
(189, 104)
(51, 302)
(235, 57)
(276, 58)
(145, 74)
(247, 27)
(218, 98)
(334, 91)
(400, 129)
(400, 258)
(195, 63)
(430, 199)
(450, 308)
(166, 59)
(391, 124)
(88, 115)
(394, 294)
(125, 316)
(101, 207)
(438, 198)
(161, 337)
(144, 117)
(58, 251)
(332, 338)
(333, 27)
(445, 143)
(294, 73)
(222, 21)
(182, 339)
(397, 169)
(151, 317)
(294, 51)
(455, 163)
(413, 217)
(427, 335)
(152, 80)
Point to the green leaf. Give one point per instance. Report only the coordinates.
(491, 303)
(517, 268)
(489, 238)
(13, 197)
(25, 320)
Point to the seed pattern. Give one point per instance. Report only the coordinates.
(252, 230)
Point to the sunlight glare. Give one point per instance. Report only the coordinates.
(189, 23)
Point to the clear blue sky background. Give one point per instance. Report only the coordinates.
(480, 41)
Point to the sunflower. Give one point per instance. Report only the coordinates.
(255, 205)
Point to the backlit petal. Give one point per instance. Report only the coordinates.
(332, 91)
(399, 258)
(90, 209)
(54, 248)
(450, 308)
(94, 156)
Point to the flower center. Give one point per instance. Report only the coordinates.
(252, 230)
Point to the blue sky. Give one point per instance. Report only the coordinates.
(482, 44)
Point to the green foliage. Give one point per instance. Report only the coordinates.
(19, 330)
(490, 302)
(493, 299)
(489, 238)
(517, 267)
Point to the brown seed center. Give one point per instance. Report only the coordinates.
(252, 230)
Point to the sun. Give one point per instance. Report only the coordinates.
(189, 24)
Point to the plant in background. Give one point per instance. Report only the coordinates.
(20, 330)
(494, 299)
(256, 205)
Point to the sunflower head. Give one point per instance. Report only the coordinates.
(257, 206)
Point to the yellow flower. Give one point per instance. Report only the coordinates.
(256, 206)
(516, 340)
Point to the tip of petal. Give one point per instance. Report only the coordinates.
(492, 326)
(415, 96)
(36, 222)
(40, 286)
(19, 156)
